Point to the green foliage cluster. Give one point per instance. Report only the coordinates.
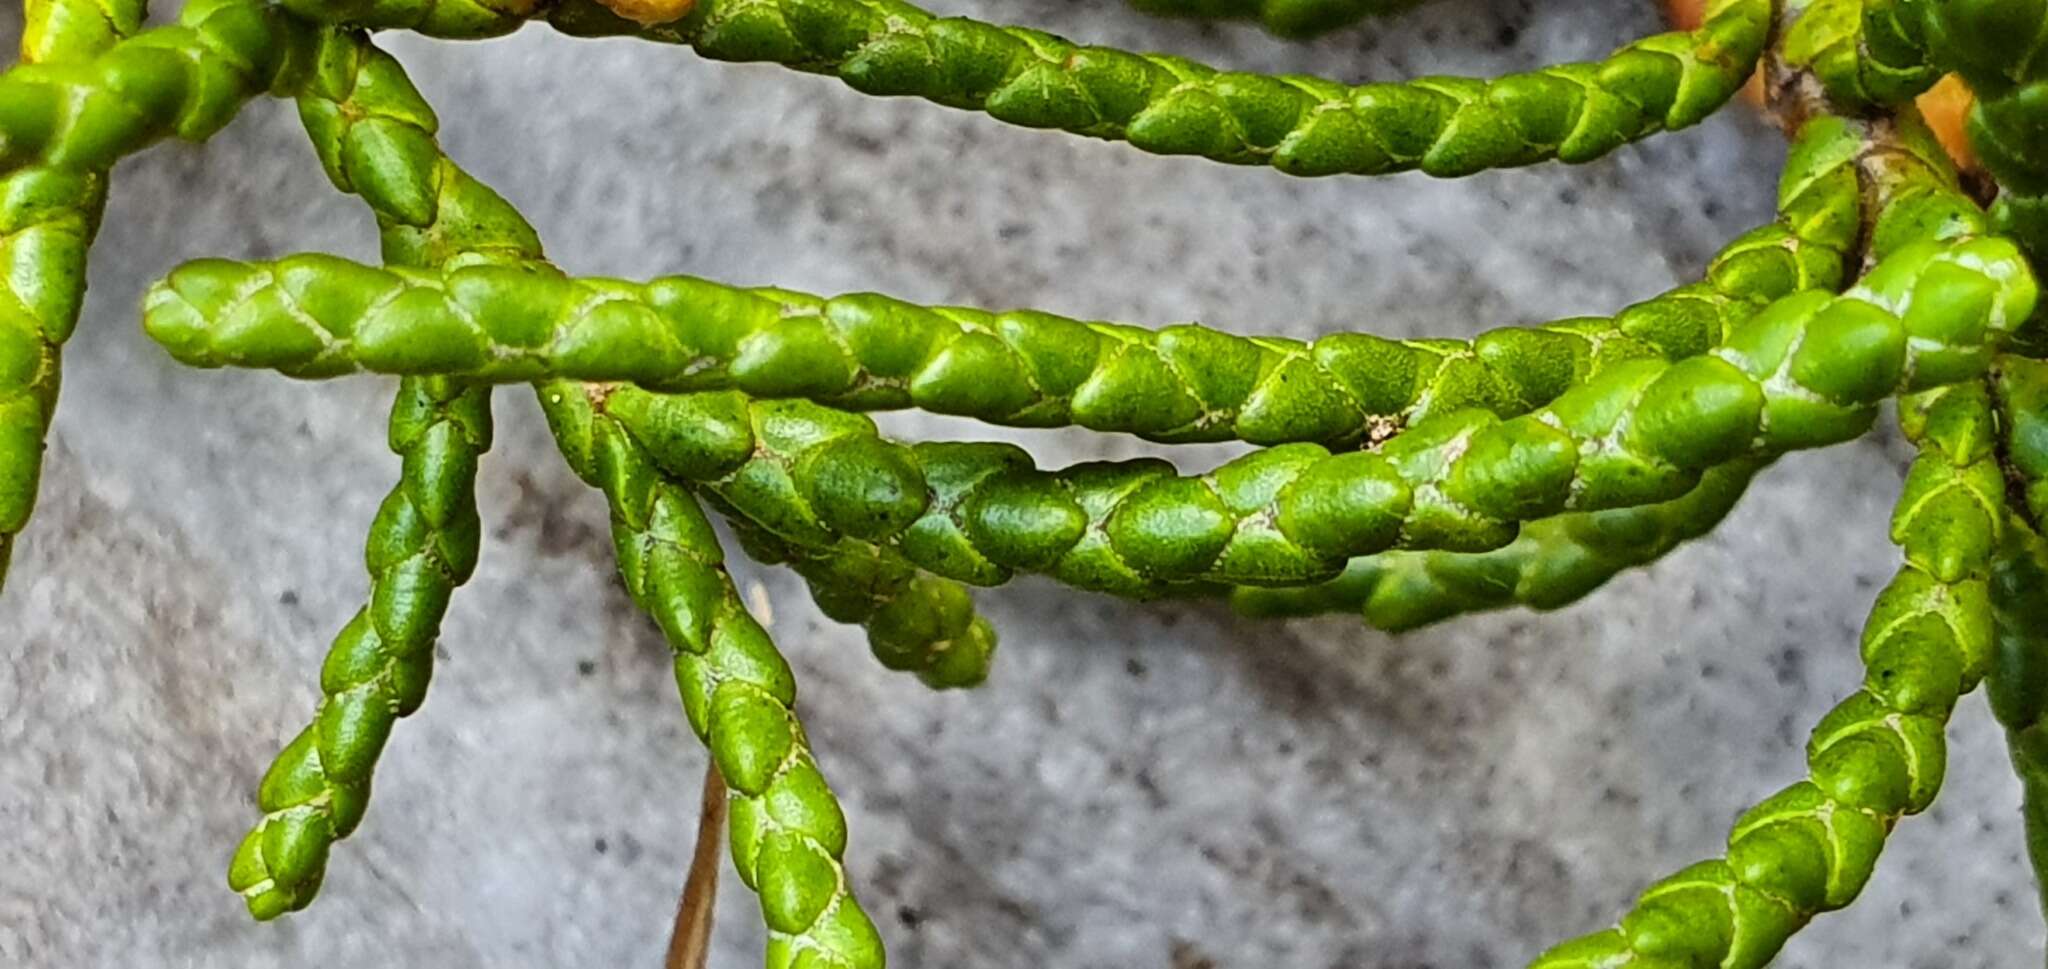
(1408, 481)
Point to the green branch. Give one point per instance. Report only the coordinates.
(377, 138)
(1877, 756)
(186, 80)
(1553, 563)
(48, 217)
(357, 105)
(1807, 371)
(811, 488)
(1445, 126)
(1906, 192)
(788, 834)
(2018, 679)
(1021, 368)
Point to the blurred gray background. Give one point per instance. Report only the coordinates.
(1139, 787)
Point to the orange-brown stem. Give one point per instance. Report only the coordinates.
(689, 945)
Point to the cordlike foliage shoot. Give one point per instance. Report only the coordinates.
(1407, 481)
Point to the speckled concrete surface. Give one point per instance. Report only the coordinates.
(1140, 786)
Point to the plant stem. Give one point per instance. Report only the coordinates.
(689, 946)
